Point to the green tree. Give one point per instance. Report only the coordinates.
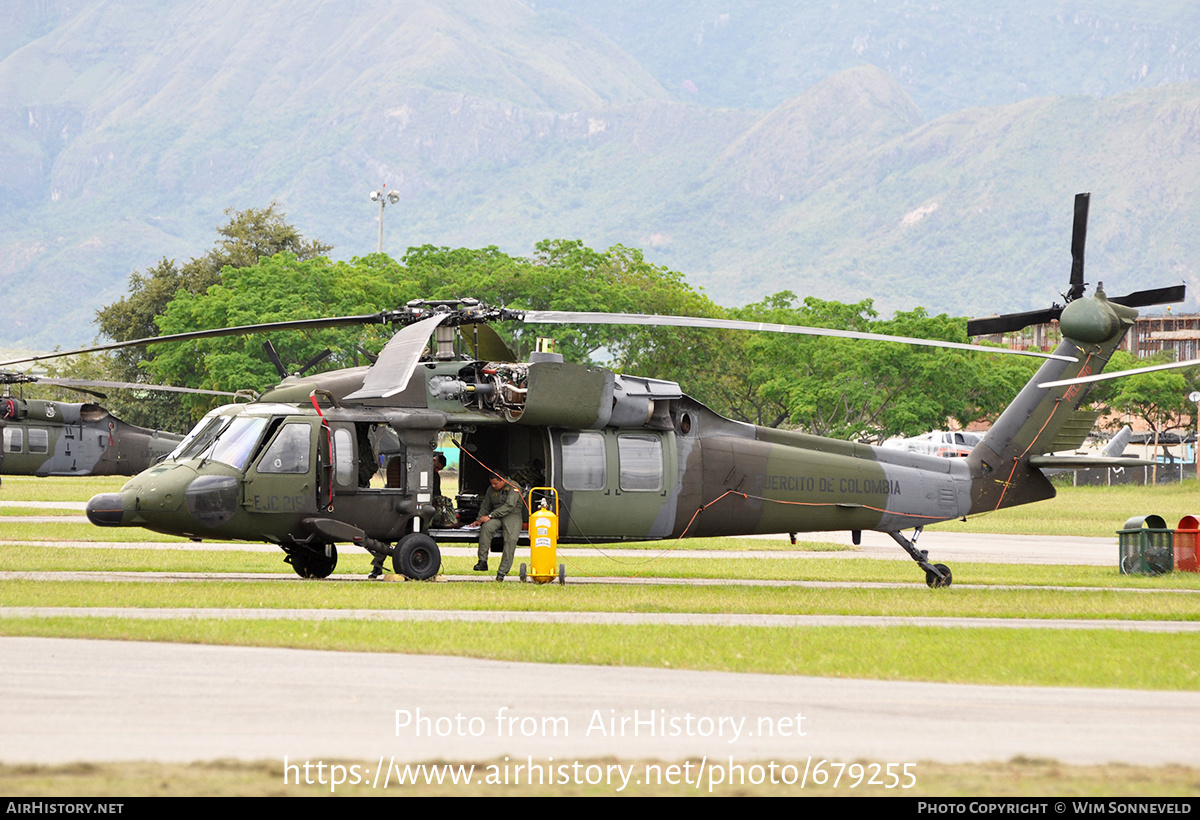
(1159, 398)
(561, 276)
(566, 275)
(869, 390)
(275, 289)
(249, 236)
(837, 387)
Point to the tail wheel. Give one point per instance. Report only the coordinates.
(312, 563)
(417, 556)
(932, 579)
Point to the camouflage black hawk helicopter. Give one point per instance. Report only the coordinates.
(56, 438)
(631, 458)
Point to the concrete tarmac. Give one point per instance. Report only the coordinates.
(64, 700)
(943, 547)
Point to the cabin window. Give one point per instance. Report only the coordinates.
(289, 452)
(343, 456)
(583, 461)
(39, 440)
(641, 462)
(14, 439)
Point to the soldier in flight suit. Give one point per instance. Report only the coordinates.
(501, 507)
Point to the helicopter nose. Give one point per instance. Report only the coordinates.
(106, 510)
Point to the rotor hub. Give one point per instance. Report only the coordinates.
(1090, 321)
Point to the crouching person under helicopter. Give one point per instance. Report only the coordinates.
(501, 507)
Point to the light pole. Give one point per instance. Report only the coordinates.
(383, 197)
(1194, 397)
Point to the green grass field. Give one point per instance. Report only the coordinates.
(1087, 511)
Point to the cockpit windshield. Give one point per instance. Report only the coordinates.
(227, 439)
(204, 430)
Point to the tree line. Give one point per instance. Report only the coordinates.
(261, 269)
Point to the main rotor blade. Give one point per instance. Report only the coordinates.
(562, 317)
(1103, 377)
(83, 384)
(273, 356)
(397, 361)
(1078, 240)
(314, 361)
(242, 330)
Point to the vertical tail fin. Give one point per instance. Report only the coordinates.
(1001, 473)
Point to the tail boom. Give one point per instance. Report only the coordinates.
(1001, 473)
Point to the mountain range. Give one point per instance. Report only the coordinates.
(912, 154)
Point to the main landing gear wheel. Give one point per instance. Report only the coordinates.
(934, 581)
(312, 563)
(417, 556)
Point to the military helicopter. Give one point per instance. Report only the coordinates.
(45, 438)
(631, 458)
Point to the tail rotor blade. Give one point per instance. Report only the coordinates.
(1078, 240)
(1155, 296)
(1009, 322)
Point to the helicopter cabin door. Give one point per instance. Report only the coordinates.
(282, 479)
(616, 484)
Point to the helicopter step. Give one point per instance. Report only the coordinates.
(311, 561)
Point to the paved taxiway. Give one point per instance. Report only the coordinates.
(63, 699)
(944, 547)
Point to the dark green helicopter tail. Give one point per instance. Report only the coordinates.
(1045, 420)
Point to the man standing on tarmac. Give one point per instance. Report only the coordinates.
(501, 507)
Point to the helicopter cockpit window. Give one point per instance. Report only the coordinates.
(583, 461)
(289, 452)
(14, 439)
(641, 462)
(39, 440)
(235, 443)
(201, 436)
(224, 439)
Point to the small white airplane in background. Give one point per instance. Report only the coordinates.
(958, 443)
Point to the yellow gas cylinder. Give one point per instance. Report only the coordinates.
(543, 537)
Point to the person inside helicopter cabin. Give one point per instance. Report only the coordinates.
(501, 507)
(368, 464)
(444, 514)
(531, 475)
